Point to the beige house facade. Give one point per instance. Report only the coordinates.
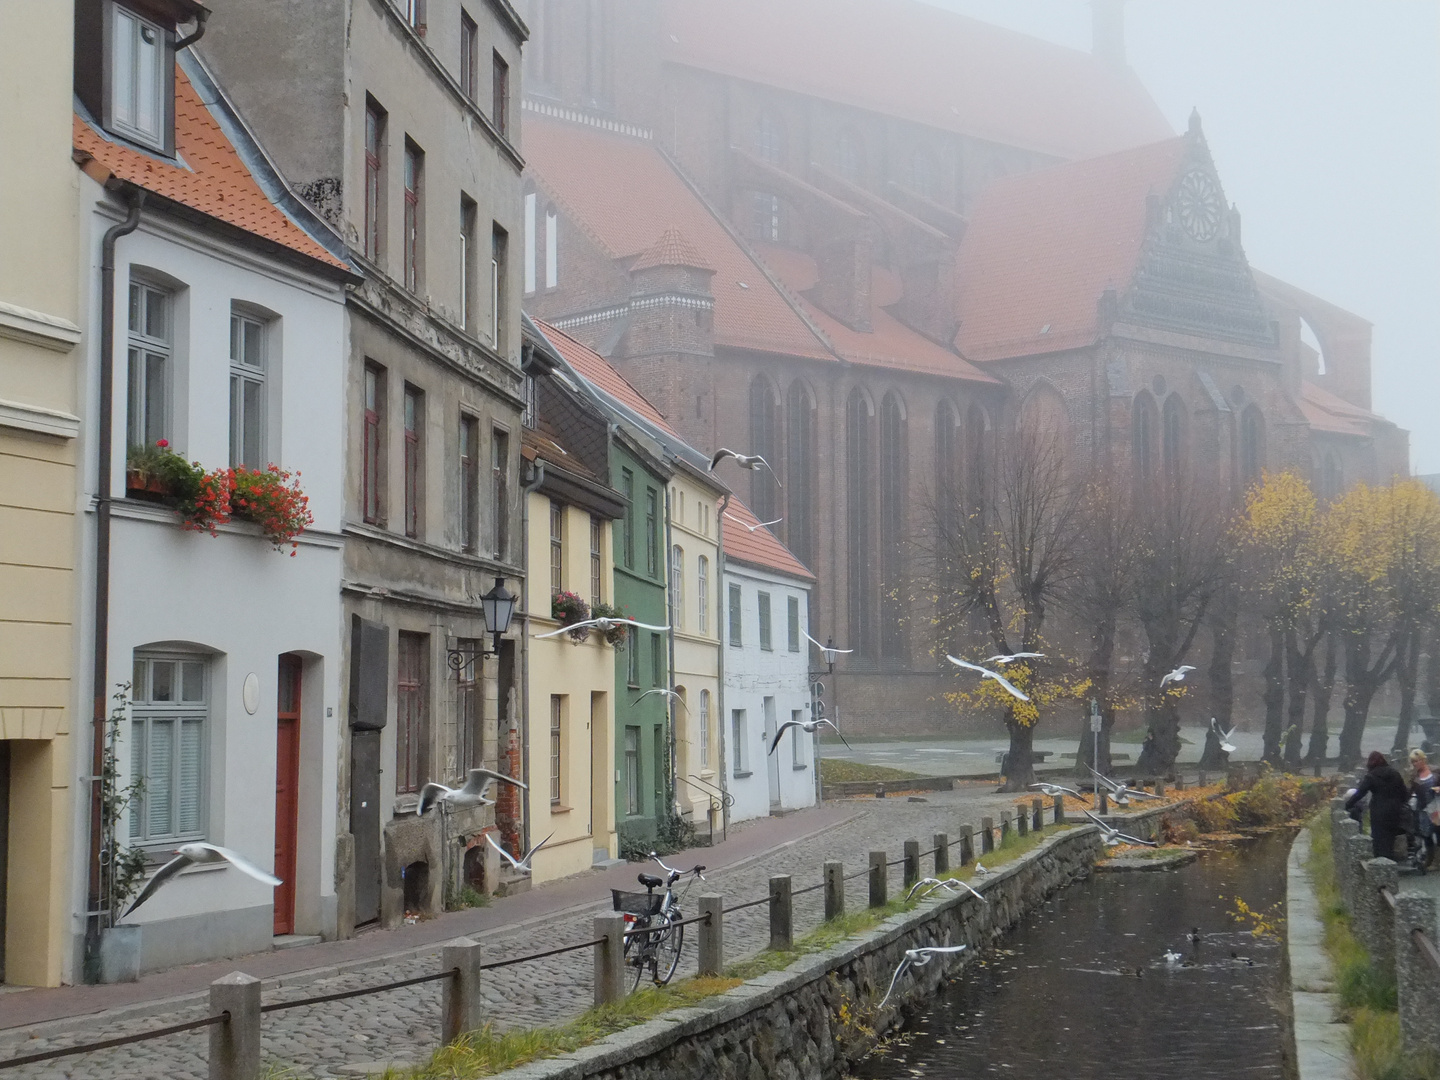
(38, 430)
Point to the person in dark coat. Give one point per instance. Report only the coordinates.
(1388, 799)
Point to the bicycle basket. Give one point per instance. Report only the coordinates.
(638, 903)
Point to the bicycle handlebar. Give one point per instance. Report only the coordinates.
(677, 874)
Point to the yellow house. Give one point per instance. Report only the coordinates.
(39, 428)
(569, 678)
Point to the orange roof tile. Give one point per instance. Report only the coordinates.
(672, 249)
(913, 60)
(759, 547)
(1326, 412)
(1043, 247)
(209, 176)
(624, 193)
(595, 369)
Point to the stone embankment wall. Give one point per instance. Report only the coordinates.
(815, 1018)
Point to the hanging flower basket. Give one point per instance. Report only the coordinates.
(272, 499)
(616, 635)
(567, 609)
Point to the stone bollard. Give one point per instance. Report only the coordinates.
(1022, 822)
(1007, 822)
(1202, 780)
(1417, 982)
(879, 790)
(834, 890)
(941, 843)
(1179, 782)
(712, 934)
(1357, 853)
(610, 958)
(1319, 767)
(1160, 786)
(782, 921)
(461, 1007)
(987, 835)
(967, 844)
(1060, 808)
(1037, 814)
(879, 879)
(911, 866)
(1104, 802)
(235, 1043)
(1374, 921)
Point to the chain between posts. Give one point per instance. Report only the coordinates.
(341, 995)
(120, 1040)
(542, 955)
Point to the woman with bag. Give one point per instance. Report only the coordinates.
(1388, 798)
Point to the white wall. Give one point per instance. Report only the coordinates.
(752, 675)
(233, 596)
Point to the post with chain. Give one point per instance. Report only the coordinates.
(879, 879)
(834, 890)
(911, 865)
(782, 922)
(235, 1042)
(967, 844)
(1037, 814)
(712, 934)
(461, 1007)
(941, 842)
(610, 958)
(987, 835)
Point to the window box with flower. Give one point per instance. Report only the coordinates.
(615, 634)
(272, 499)
(567, 608)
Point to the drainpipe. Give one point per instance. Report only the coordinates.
(135, 198)
(672, 792)
(201, 17)
(537, 477)
(721, 629)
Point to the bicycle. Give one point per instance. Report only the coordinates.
(658, 950)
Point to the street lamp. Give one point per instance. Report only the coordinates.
(498, 607)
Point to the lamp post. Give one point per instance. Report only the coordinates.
(498, 607)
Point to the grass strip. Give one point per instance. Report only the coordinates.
(837, 771)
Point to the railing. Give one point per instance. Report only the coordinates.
(1421, 940)
(236, 1010)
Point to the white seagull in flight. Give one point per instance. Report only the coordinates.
(1178, 675)
(522, 865)
(1224, 736)
(1010, 688)
(472, 793)
(668, 693)
(1121, 792)
(199, 852)
(930, 884)
(602, 625)
(1112, 836)
(916, 958)
(755, 527)
(807, 726)
(745, 461)
(1057, 789)
(829, 652)
(1010, 658)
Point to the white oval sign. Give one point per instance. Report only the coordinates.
(250, 694)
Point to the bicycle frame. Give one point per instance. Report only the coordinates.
(647, 945)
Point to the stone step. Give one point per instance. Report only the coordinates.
(294, 941)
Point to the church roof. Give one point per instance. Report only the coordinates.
(916, 61)
(1042, 247)
(672, 249)
(1326, 412)
(757, 546)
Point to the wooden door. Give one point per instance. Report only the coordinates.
(287, 791)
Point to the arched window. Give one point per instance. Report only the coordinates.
(860, 536)
(766, 217)
(765, 441)
(1252, 445)
(924, 174)
(1332, 476)
(1172, 439)
(702, 594)
(769, 138)
(704, 729)
(1143, 424)
(1043, 418)
(947, 466)
(977, 464)
(850, 156)
(894, 470)
(677, 587)
(800, 478)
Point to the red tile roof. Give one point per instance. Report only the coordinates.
(1043, 247)
(624, 193)
(595, 369)
(1326, 412)
(760, 547)
(913, 60)
(209, 176)
(672, 249)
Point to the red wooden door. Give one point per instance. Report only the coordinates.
(287, 792)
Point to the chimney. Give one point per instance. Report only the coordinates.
(1107, 39)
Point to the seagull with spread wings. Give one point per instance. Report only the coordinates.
(1120, 792)
(522, 865)
(1057, 789)
(1178, 675)
(1010, 688)
(930, 884)
(666, 693)
(829, 652)
(472, 793)
(807, 726)
(1224, 736)
(1010, 658)
(198, 852)
(745, 461)
(1113, 836)
(602, 624)
(916, 958)
(757, 526)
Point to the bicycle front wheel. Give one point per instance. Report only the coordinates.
(667, 952)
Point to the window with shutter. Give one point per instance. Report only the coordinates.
(170, 710)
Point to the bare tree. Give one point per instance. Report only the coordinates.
(1224, 615)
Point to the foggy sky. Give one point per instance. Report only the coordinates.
(1324, 120)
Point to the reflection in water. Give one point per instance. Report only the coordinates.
(1082, 987)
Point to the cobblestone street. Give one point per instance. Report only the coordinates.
(403, 1026)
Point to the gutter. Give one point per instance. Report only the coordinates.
(721, 632)
(537, 477)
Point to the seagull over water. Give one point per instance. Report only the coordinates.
(807, 726)
(986, 673)
(745, 461)
(1178, 675)
(602, 624)
(1010, 658)
(1113, 837)
(1224, 736)
(472, 793)
(1057, 789)
(1121, 792)
(930, 884)
(916, 958)
(521, 864)
(199, 852)
(757, 526)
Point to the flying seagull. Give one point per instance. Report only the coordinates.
(1010, 658)
(668, 693)
(1057, 789)
(1112, 837)
(602, 625)
(523, 864)
(1224, 736)
(1172, 957)
(199, 852)
(916, 958)
(476, 787)
(829, 652)
(745, 461)
(755, 527)
(807, 726)
(1010, 688)
(930, 884)
(1178, 675)
(1121, 792)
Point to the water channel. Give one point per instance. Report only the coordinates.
(1082, 988)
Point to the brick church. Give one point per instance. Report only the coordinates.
(859, 237)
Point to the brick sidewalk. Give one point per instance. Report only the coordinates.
(403, 1026)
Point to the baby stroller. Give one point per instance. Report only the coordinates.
(1419, 832)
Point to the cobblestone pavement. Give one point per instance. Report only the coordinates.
(403, 1026)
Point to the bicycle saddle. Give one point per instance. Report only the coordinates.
(649, 882)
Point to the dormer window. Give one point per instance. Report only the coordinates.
(125, 66)
(139, 51)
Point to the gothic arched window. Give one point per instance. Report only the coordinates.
(894, 470)
(1252, 445)
(977, 464)
(947, 462)
(769, 139)
(1172, 442)
(765, 441)
(1143, 425)
(800, 478)
(1332, 476)
(860, 535)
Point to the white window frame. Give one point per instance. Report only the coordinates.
(243, 374)
(146, 353)
(128, 78)
(530, 243)
(677, 587)
(739, 728)
(557, 748)
(797, 752)
(704, 730)
(767, 622)
(145, 715)
(702, 593)
(552, 249)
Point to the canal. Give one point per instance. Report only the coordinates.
(1083, 989)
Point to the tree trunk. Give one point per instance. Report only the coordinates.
(1274, 695)
(1432, 672)
(1101, 657)
(1020, 761)
(1359, 690)
(1408, 671)
(1324, 689)
(1299, 671)
(1162, 741)
(1222, 687)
